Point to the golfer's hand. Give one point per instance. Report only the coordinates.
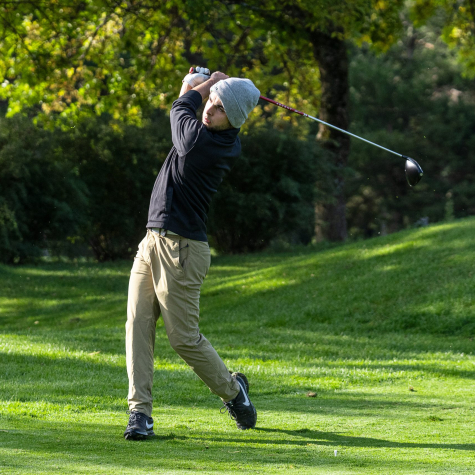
(218, 76)
(204, 88)
(195, 79)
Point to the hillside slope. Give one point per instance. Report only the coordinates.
(378, 333)
(414, 281)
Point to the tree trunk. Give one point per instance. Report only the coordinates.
(331, 55)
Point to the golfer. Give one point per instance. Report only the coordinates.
(174, 257)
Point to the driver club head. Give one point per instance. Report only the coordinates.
(413, 171)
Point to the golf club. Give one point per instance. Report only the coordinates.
(413, 169)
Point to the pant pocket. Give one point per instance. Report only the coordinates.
(143, 251)
(183, 253)
(199, 260)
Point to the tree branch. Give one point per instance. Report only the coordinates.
(471, 4)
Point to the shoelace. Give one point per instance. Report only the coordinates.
(134, 416)
(227, 406)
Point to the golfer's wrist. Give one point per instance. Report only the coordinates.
(204, 89)
(185, 88)
(209, 84)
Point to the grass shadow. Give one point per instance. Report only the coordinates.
(341, 440)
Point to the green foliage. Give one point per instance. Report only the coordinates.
(41, 195)
(414, 101)
(90, 183)
(269, 193)
(89, 187)
(78, 58)
(371, 21)
(66, 62)
(458, 31)
(118, 167)
(72, 60)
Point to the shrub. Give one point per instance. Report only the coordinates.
(269, 193)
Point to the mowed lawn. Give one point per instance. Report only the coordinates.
(360, 359)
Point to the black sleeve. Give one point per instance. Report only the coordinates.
(185, 126)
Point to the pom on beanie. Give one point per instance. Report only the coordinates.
(239, 97)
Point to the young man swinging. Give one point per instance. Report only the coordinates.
(173, 259)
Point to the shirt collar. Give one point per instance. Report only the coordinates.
(228, 135)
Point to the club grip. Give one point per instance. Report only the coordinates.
(200, 70)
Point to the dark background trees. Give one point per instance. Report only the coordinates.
(415, 100)
(112, 56)
(94, 81)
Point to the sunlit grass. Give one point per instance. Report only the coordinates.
(379, 333)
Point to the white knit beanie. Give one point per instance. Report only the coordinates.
(239, 97)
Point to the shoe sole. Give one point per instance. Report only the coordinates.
(246, 428)
(133, 435)
(243, 427)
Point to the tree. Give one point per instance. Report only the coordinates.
(412, 99)
(324, 29)
(267, 195)
(459, 26)
(70, 60)
(42, 197)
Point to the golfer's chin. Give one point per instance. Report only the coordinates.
(216, 128)
(210, 126)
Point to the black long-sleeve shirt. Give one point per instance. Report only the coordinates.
(192, 172)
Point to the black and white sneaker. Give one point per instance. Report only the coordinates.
(241, 408)
(139, 427)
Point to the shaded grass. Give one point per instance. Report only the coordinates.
(381, 330)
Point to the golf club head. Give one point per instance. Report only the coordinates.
(413, 171)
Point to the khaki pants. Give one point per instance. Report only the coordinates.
(165, 279)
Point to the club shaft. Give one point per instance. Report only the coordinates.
(329, 125)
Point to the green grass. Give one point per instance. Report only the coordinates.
(381, 330)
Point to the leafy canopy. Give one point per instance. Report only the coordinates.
(68, 60)
(459, 26)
